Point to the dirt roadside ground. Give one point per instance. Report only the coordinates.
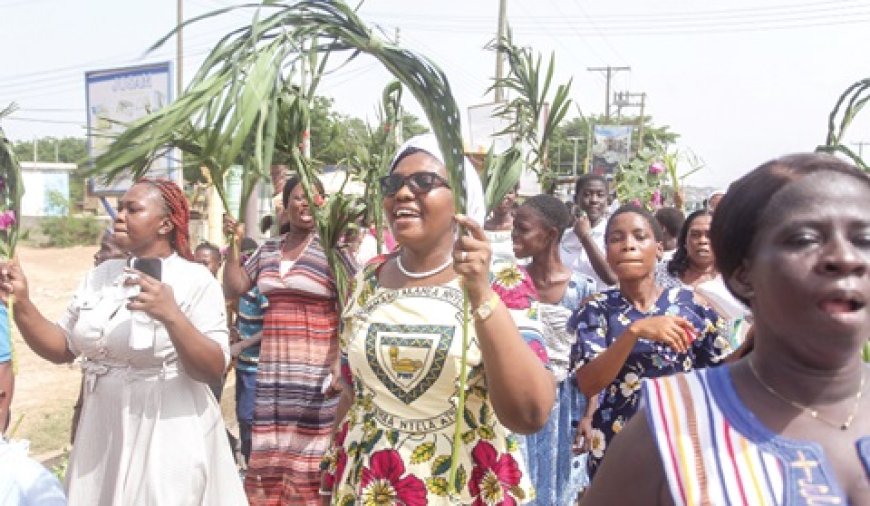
(45, 393)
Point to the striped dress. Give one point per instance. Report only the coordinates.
(292, 417)
(714, 450)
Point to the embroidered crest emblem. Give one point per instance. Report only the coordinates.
(408, 359)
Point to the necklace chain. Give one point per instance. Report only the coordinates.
(421, 275)
(814, 412)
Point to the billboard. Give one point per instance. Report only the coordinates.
(116, 98)
(611, 146)
(483, 126)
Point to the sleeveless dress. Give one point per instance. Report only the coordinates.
(557, 474)
(149, 434)
(402, 349)
(293, 418)
(714, 450)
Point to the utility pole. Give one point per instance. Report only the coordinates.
(608, 74)
(399, 126)
(626, 99)
(861, 145)
(179, 80)
(499, 55)
(306, 137)
(575, 139)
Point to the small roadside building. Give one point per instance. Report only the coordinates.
(46, 188)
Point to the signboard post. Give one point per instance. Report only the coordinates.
(117, 97)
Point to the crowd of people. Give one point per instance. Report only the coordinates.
(613, 355)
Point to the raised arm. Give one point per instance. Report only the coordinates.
(44, 337)
(521, 389)
(583, 231)
(236, 281)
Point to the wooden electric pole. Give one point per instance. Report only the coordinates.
(499, 55)
(608, 74)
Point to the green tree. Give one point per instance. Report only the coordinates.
(562, 143)
(67, 149)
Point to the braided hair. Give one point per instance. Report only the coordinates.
(178, 210)
(552, 210)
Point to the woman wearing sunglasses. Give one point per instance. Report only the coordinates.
(401, 345)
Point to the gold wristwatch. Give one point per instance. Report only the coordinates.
(484, 311)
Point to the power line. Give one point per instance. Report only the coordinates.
(775, 11)
(38, 120)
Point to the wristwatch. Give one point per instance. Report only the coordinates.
(484, 311)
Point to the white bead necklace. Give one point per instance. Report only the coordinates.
(421, 275)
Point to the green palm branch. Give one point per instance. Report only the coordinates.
(848, 105)
(233, 100)
(533, 114)
(373, 153)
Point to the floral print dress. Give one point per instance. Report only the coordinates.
(604, 318)
(402, 350)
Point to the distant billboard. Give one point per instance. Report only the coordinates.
(611, 146)
(483, 127)
(117, 97)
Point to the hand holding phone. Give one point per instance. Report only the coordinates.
(151, 266)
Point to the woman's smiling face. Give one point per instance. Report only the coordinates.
(418, 219)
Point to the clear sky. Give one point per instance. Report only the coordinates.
(741, 80)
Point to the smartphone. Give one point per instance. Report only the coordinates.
(150, 266)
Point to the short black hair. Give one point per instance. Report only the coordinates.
(291, 183)
(552, 210)
(585, 179)
(631, 208)
(210, 247)
(739, 213)
(671, 220)
(679, 263)
(248, 244)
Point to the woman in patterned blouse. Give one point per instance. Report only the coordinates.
(638, 330)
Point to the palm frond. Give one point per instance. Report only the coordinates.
(847, 107)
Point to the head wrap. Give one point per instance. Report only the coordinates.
(475, 206)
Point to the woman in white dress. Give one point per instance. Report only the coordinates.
(150, 432)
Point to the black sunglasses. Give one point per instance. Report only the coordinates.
(418, 182)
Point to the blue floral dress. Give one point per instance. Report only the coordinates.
(604, 318)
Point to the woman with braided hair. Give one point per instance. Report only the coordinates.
(151, 432)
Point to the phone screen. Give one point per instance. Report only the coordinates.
(150, 266)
